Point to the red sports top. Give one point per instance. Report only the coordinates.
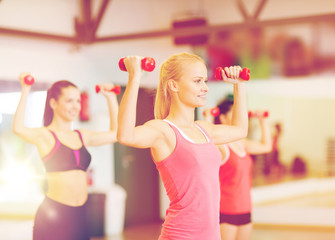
(191, 179)
(235, 184)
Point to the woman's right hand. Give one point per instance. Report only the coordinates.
(133, 65)
(232, 74)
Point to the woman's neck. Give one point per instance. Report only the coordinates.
(182, 116)
(60, 125)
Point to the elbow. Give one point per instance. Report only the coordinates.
(16, 130)
(269, 148)
(244, 132)
(122, 138)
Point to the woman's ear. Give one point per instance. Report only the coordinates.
(52, 103)
(173, 85)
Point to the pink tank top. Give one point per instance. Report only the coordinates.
(191, 179)
(235, 184)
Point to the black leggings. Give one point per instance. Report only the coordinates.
(235, 219)
(56, 221)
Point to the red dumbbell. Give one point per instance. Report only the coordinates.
(29, 80)
(148, 64)
(252, 114)
(214, 111)
(116, 89)
(244, 74)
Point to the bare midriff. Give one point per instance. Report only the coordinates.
(68, 187)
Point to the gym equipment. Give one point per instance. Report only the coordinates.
(116, 89)
(29, 80)
(244, 74)
(148, 64)
(252, 114)
(214, 112)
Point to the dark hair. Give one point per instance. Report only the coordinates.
(225, 105)
(54, 92)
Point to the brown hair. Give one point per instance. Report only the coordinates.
(54, 92)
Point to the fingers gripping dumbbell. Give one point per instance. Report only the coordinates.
(116, 89)
(148, 64)
(244, 74)
(265, 114)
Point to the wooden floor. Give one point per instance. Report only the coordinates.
(21, 230)
(151, 232)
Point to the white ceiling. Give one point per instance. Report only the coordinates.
(131, 16)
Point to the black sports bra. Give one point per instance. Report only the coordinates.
(62, 158)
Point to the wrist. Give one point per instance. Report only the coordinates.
(25, 90)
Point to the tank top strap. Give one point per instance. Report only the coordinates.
(179, 133)
(81, 137)
(204, 132)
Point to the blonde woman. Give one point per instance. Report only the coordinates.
(183, 150)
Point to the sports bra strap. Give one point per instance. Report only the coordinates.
(54, 134)
(81, 137)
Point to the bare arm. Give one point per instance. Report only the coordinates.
(101, 138)
(30, 135)
(225, 153)
(143, 136)
(222, 133)
(265, 144)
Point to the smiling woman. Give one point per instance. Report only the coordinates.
(62, 213)
(183, 150)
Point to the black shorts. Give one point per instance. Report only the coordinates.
(235, 219)
(56, 221)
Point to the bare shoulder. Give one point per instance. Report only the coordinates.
(166, 142)
(159, 125)
(44, 134)
(166, 133)
(44, 140)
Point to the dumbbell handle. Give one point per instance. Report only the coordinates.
(252, 114)
(116, 89)
(147, 64)
(29, 80)
(244, 74)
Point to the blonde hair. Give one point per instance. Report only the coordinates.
(172, 68)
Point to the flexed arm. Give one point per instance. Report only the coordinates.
(240, 112)
(18, 127)
(238, 128)
(106, 137)
(142, 136)
(265, 144)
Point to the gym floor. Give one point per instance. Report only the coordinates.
(151, 232)
(18, 230)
